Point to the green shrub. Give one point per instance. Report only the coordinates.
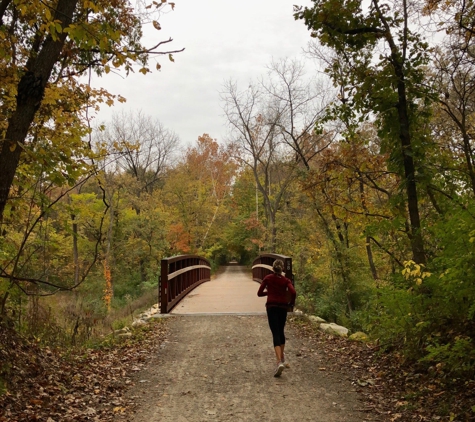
(458, 356)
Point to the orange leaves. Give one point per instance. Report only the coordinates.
(179, 238)
(108, 291)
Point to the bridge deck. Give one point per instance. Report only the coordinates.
(231, 292)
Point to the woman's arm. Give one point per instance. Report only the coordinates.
(262, 287)
(291, 290)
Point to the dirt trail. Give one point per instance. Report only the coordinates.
(220, 368)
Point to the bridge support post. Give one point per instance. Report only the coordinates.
(164, 287)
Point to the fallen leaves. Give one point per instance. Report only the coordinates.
(389, 387)
(81, 386)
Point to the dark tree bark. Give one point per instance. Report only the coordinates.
(31, 89)
(417, 243)
(397, 59)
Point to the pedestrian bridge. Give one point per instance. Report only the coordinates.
(186, 286)
(230, 292)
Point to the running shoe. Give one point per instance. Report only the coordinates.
(278, 371)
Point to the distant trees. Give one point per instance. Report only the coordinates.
(272, 126)
(141, 151)
(195, 195)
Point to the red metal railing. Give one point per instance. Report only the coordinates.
(179, 275)
(262, 266)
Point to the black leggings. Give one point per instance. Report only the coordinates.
(277, 318)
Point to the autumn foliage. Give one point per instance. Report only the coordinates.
(367, 181)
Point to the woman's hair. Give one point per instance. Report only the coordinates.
(278, 266)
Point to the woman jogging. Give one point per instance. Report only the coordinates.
(280, 296)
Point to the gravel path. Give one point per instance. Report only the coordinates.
(220, 368)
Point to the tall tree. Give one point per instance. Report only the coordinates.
(272, 127)
(142, 148)
(454, 69)
(390, 87)
(47, 45)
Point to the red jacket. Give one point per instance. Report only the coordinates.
(278, 289)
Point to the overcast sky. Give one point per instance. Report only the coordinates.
(223, 40)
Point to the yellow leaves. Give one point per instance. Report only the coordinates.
(22, 8)
(52, 95)
(104, 43)
(170, 56)
(93, 6)
(415, 272)
(144, 70)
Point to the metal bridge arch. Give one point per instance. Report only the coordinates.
(262, 266)
(179, 276)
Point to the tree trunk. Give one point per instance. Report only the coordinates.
(31, 89)
(369, 253)
(417, 243)
(75, 250)
(398, 56)
(3, 303)
(467, 150)
(341, 260)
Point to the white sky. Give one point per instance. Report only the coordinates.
(223, 40)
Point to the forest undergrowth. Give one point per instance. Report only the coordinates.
(395, 389)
